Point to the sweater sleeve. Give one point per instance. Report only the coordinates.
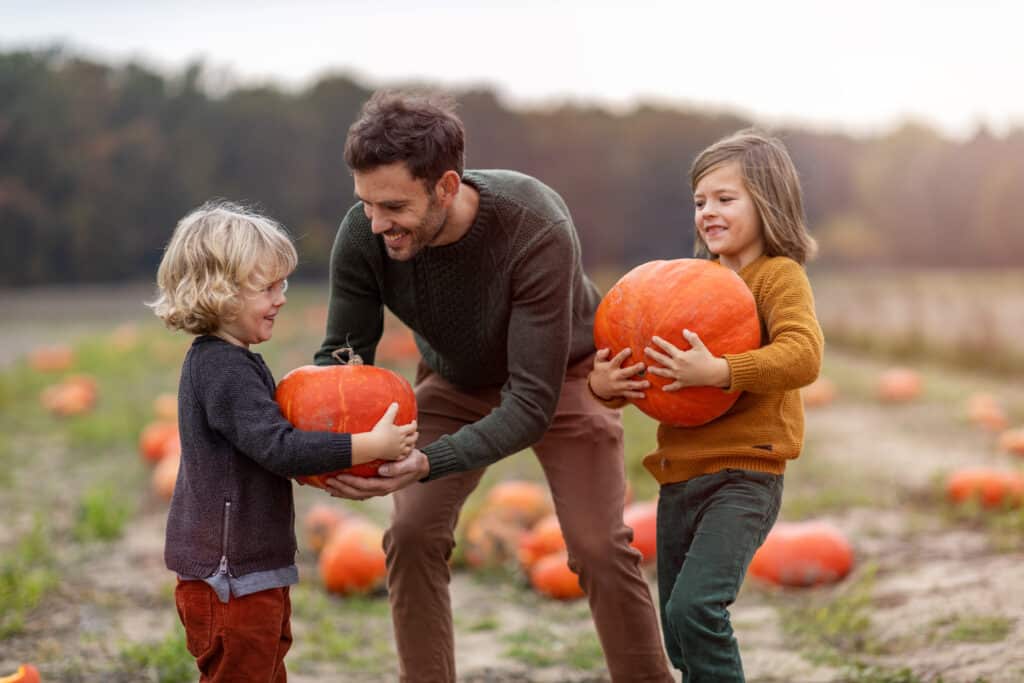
(539, 335)
(792, 357)
(355, 312)
(240, 407)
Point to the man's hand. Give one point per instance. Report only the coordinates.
(391, 477)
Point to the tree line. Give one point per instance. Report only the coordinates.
(98, 162)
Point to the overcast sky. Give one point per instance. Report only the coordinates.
(859, 66)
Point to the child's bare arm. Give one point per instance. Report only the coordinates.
(695, 367)
(386, 441)
(609, 380)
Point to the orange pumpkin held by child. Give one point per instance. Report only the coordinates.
(350, 397)
(663, 298)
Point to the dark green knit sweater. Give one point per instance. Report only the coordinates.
(506, 305)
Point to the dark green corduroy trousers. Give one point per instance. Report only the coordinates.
(708, 530)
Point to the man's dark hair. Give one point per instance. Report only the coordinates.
(421, 130)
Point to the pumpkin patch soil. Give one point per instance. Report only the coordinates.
(922, 572)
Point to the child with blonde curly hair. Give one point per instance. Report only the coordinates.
(230, 529)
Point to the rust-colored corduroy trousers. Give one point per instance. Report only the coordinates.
(582, 458)
(243, 640)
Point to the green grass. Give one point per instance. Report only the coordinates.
(538, 646)
(165, 661)
(353, 633)
(974, 628)
(101, 514)
(834, 629)
(27, 573)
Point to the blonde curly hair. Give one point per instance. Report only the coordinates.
(217, 251)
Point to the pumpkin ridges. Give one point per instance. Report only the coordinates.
(699, 295)
(343, 398)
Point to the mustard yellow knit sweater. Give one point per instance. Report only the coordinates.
(765, 427)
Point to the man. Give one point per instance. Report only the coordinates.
(485, 268)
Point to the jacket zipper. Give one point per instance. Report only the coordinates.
(224, 540)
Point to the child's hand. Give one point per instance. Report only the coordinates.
(696, 367)
(609, 380)
(391, 441)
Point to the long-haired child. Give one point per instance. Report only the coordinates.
(721, 483)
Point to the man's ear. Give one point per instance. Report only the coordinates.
(447, 187)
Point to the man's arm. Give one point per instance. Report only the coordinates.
(355, 313)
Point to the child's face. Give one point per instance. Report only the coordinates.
(727, 218)
(255, 321)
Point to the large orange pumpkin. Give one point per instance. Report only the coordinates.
(26, 673)
(992, 487)
(664, 297)
(803, 554)
(343, 398)
(353, 559)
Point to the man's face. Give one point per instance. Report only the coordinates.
(400, 208)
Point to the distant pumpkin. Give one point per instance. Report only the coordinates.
(320, 523)
(525, 501)
(551, 576)
(165, 475)
(990, 486)
(491, 539)
(157, 439)
(897, 385)
(985, 411)
(53, 358)
(353, 559)
(543, 538)
(803, 554)
(642, 518)
(26, 673)
(1012, 441)
(76, 395)
(819, 393)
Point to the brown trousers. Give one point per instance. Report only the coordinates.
(582, 458)
(241, 641)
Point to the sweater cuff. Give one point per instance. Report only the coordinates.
(442, 459)
(613, 403)
(742, 370)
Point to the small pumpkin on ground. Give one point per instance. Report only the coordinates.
(76, 395)
(165, 475)
(53, 358)
(524, 501)
(492, 539)
(157, 439)
(26, 673)
(551, 576)
(543, 538)
(819, 393)
(1012, 441)
(803, 554)
(899, 385)
(992, 487)
(353, 561)
(642, 518)
(320, 523)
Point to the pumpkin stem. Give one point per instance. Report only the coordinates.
(349, 353)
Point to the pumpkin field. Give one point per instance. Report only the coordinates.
(898, 557)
